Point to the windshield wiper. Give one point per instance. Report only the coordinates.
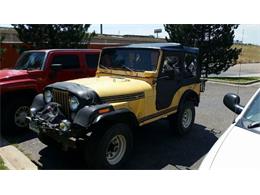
(254, 124)
(102, 66)
(126, 67)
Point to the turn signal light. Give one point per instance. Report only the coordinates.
(104, 110)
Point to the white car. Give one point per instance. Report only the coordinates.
(239, 146)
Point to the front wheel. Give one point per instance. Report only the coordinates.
(183, 120)
(13, 115)
(112, 149)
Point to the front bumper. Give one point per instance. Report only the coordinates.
(63, 127)
(52, 123)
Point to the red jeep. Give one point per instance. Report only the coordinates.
(33, 71)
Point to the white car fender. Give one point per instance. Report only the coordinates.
(210, 156)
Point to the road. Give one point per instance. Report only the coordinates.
(155, 145)
(244, 70)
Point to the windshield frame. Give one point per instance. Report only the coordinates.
(242, 121)
(256, 97)
(109, 69)
(32, 51)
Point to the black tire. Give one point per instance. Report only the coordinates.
(10, 108)
(97, 149)
(177, 121)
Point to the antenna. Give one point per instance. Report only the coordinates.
(239, 73)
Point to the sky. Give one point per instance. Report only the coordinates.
(249, 33)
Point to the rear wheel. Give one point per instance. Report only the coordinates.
(183, 120)
(112, 149)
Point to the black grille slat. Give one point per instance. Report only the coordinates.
(62, 98)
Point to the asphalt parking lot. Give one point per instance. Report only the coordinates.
(242, 70)
(155, 145)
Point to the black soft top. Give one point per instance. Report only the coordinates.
(164, 46)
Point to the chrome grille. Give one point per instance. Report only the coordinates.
(62, 98)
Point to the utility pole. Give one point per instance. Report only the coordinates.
(243, 31)
(101, 29)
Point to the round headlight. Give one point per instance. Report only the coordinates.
(48, 96)
(74, 103)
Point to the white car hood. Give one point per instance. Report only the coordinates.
(237, 148)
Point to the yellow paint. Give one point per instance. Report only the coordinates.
(114, 85)
(118, 85)
(110, 82)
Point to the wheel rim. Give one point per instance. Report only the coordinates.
(20, 116)
(116, 149)
(186, 118)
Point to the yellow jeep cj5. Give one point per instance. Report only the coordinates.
(135, 85)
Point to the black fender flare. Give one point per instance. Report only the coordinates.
(38, 102)
(90, 119)
(86, 115)
(21, 93)
(122, 115)
(191, 96)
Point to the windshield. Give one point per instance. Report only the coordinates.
(30, 61)
(251, 118)
(253, 111)
(129, 59)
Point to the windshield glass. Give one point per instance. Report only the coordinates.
(129, 59)
(30, 60)
(253, 111)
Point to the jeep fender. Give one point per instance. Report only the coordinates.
(190, 95)
(26, 94)
(86, 115)
(89, 117)
(118, 116)
(38, 102)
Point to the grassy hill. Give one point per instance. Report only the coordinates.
(250, 53)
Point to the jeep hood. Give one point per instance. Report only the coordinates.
(9, 75)
(106, 86)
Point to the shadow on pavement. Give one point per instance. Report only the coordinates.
(19, 137)
(155, 148)
(56, 159)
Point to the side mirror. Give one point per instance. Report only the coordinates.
(232, 101)
(56, 67)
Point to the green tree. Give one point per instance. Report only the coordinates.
(215, 42)
(47, 36)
